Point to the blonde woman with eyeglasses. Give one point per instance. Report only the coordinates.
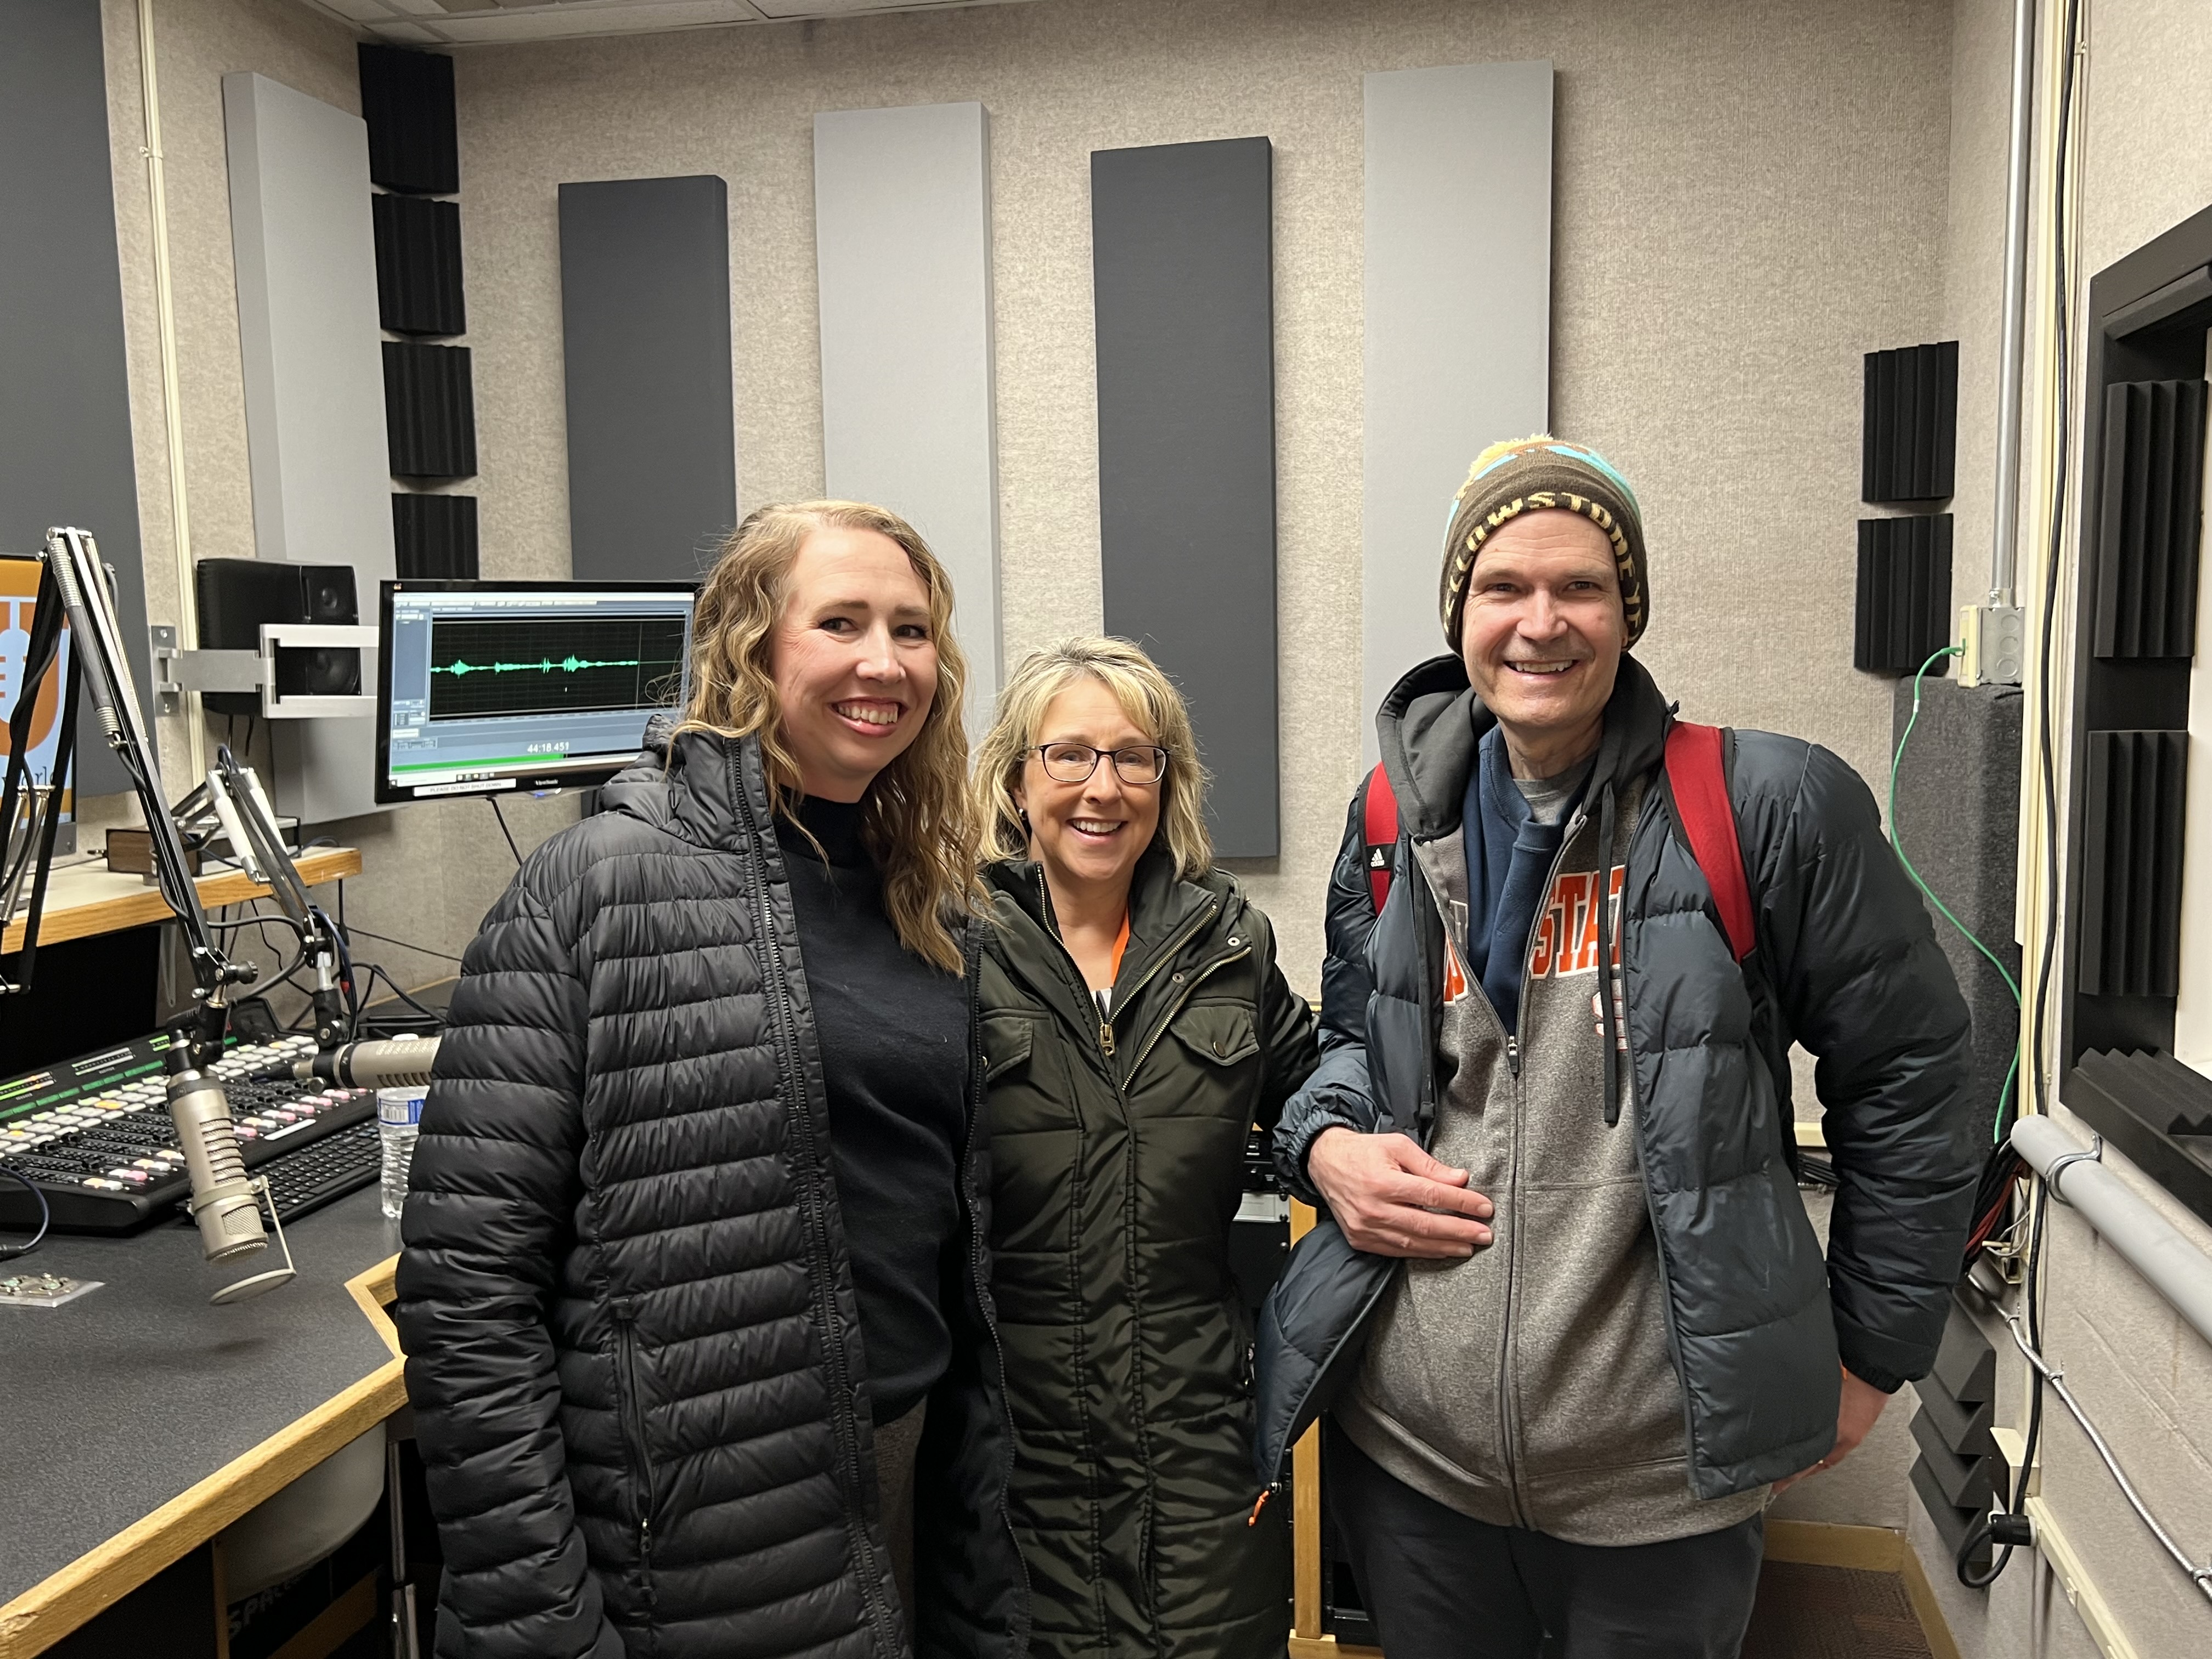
(1135, 1028)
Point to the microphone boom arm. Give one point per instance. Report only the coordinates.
(226, 1203)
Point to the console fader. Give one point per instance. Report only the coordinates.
(95, 1134)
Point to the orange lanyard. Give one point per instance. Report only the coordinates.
(1121, 944)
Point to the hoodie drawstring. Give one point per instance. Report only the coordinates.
(1604, 944)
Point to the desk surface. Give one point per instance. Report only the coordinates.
(139, 1421)
(86, 899)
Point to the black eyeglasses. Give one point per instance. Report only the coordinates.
(1074, 763)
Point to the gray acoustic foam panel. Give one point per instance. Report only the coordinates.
(2155, 1110)
(1182, 253)
(1458, 324)
(418, 266)
(436, 537)
(907, 418)
(65, 456)
(429, 409)
(2133, 810)
(1957, 1458)
(1958, 818)
(645, 315)
(1902, 613)
(407, 97)
(1909, 436)
(2154, 501)
(305, 250)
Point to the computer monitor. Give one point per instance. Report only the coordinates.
(484, 688)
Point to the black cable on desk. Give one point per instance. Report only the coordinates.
(9, 1252)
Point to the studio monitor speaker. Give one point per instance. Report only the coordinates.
(237, 596)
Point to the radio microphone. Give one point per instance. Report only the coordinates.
(224, 1203)
(392, 1063)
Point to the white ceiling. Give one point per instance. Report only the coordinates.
(490, 22)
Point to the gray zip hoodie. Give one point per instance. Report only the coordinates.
(1531, 1385)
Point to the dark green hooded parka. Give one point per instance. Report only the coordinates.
(1117, 1150)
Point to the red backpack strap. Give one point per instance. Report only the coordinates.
(1699, 783)
(1378, 819)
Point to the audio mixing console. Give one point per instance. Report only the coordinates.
(95, 1134)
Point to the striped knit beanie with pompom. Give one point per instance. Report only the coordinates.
(1526, 475)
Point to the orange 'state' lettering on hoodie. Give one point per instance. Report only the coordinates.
(1566, 939)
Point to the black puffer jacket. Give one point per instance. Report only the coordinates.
(1846, 964)
(634, 1349)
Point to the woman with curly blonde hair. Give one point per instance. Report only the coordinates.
(1135, 1029)
(694, 1294)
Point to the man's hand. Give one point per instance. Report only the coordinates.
(1393, 1198)
(1854, 1420)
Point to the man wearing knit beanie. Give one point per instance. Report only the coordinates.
(1566, 1316)
(1537, 475)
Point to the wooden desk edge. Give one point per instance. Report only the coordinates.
(372, 1291)
(110, 916)
(50, 1609)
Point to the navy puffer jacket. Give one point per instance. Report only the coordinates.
(1846, 964)
(634, 1349)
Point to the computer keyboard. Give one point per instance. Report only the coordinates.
(312, 1176)
(95, 1134)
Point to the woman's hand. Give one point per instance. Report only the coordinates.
(1393, 1198)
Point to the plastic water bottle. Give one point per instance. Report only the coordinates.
(398, 1120)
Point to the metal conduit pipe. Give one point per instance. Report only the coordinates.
(2004, 541)
(2175, 1267)
(172, 401)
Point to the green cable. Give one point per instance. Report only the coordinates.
(2004, 1095)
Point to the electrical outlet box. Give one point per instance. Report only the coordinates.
(1996, 638)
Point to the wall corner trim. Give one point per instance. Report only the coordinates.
(1926, 1606)
(2081, 1591)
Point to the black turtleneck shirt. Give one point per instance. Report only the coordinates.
(893, 1031)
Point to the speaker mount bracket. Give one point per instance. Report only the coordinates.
(177, 670)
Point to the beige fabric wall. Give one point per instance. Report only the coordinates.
(433, 871)
(197, 43)
(1748, 198)
(2145, 1378)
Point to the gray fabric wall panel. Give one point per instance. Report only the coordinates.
(1958, 815)
(303, 246)
(65, 456)
(907, 398)
(1458, 321)
(645, 317)
(1182, 266)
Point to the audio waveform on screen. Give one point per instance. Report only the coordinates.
(488, 668)
(543, 665)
